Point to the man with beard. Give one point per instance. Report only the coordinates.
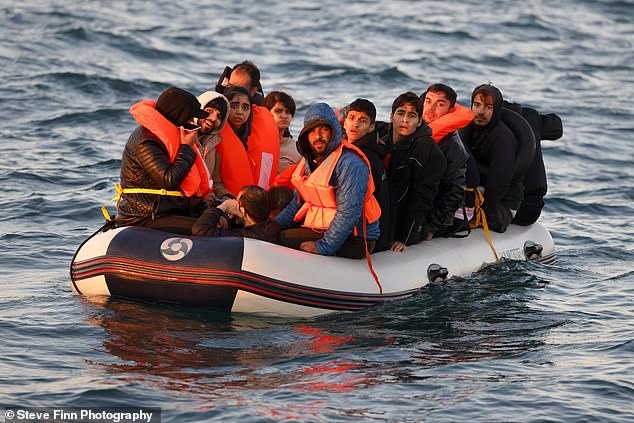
(494, 147)
(333, 198)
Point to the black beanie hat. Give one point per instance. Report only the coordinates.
(179, 106)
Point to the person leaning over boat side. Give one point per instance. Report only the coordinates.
(161, 155)
(359, 125)
(250, 148)
(251, 208)
(333, 198)
(414, 169)
(439, 100)
(208, 135)
(494, 147)
(246, 75)
(282, 107)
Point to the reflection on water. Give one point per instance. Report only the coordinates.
(208, 355)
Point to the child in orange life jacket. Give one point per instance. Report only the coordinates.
(239, 119)
(251, 208)
(282, 107)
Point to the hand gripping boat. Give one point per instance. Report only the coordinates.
(246, 275)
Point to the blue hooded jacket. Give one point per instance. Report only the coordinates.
(350, 179)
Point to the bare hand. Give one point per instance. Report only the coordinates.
(230, 207)
(429, 236)
(189, 138)
(309, 247)
(223, 223)
(398, 246)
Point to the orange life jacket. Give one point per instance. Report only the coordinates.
(320, 204)
(258, 165)
(196, 183)
(284, 178)
(458, 118)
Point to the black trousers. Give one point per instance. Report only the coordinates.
(354, 247)
(498, 218)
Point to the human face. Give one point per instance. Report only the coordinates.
(436, 105)
(357, 125)
(282, 116)
(211, 123)
(241, 79)
(482, 109)
(239, 110)
(404, 120)
(319, 137)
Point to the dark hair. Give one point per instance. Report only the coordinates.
(408, 98)
(250, 69)
(235, 90)
(364, 106)
(255, 201)
(219, 104)
(280, 97)
(441, 88)
(487, 91)
(280, 197)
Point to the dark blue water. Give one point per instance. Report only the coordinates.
(517, 342)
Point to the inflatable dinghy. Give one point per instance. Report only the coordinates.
(247, 275)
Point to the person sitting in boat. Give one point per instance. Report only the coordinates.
(439, 100)
(333, 199)
(246, 75)
(282, 107)
(208, 135)
(251, 208)
(359, 126)
(250, 148)
(163, 177)
(494, 146)
(414, 169)
(280, 196)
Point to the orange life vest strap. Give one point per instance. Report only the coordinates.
(480, 219)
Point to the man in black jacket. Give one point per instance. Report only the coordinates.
(438, 100)
(494, 147)
(359, 125)
(415, 167)
(146, 164)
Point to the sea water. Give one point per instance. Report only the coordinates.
(515, 342)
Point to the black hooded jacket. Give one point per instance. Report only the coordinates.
(451, 192)
(146, 164)
(376, 150)
(415, 168)
(494, 147)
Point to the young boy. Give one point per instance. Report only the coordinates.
(414, 169)
(359, 125)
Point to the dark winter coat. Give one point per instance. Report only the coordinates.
(146, 164)
(494, 147)
(416, 166)
(376, 150)
(451, 191)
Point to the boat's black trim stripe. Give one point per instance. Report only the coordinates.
(549, 259)
(246, 281)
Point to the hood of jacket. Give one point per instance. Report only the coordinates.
(319, 114)
(481, 131)
(373, 142)
(205, 98)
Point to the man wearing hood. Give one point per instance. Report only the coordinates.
(217, 106)
(414, 169)
(163, 176)
(333, 198)
(494, 147)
